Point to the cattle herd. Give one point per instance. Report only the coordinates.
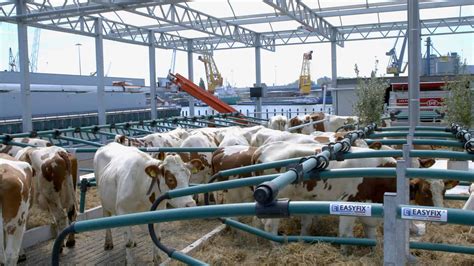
(130, 180)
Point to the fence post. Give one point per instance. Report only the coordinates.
(390, 251)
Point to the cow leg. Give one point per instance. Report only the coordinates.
(306, 222)
(13, 236)
(130, 245)
(109, 243)
(2, 247)
(71, 216)
(346, 229)
(59, 216)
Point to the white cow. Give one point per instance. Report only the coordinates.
(13, 150)
(278, 122)
(129, 181)
(330, 124)
(15, 199)
(172, 138)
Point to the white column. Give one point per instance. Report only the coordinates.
(152, 61)
(190, 75)
(99, 60)
(27, 124)
(258, 77)
(334, 75)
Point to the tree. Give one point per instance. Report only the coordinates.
(202, 84)
(460, 101)
(370, 93)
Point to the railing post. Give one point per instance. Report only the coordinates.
(390, 251)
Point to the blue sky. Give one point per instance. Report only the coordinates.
(59, 54)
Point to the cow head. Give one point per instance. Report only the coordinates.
(430, 192)
(296, 121)
(171, 173)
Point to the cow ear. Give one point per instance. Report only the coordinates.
(426, 163)
(195, 165)
(121, 139)
(153, 171)
(449, 184)
(375, 145)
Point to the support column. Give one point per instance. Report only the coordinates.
(27, 124)
(190, 75)
(414, 56)
(258, 77)
(334, 74)
(99, 61)
(152, 61)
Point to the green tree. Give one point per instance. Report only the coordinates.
(370, 93)
(460, 101)
(202, 84)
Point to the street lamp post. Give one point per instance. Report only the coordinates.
(79, 52)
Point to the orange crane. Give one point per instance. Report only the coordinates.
(198, 93)
(305, 77)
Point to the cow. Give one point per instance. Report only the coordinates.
(278, 122)
(231, 157)
(331, 123)
(423, 192)
(16, 191)
(12, 150)
(469, 205)
(54, 184)
(172, 138)
(129, 181)
(201, 161)
(232, 137)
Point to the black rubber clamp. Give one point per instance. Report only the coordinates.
(298, 169)
(275, 209)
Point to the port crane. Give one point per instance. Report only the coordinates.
(214, 78)
(395, 64)
(305, 76)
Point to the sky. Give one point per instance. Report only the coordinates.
(58, 53)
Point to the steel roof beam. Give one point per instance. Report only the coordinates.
(307, 17)
(326, 12)
(429, 27)
(196, 20)
(37, 11)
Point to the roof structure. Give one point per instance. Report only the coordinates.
(200, 26)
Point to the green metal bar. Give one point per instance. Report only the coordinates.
(86, 150)
(455, 216)
(229, 184)
(210, 123)
(456, 197)
(21, 144)
(465, 183)
(86, 170)
(437, 142)
(442, 247)
(101, 132)
(417, 134)
(252, 118)
(230, 122)
(439, 174)
(443, 154)
(419, 128)
(140, 130)
(95, 144)
(307, 239)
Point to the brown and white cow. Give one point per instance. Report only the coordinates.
(129, 181)
(54, 184)
(267, 135)
(12, 150)
(331, 122)
(278, 122)
(424, 192)
(201, 161)
(231, 157)
(15, 200)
